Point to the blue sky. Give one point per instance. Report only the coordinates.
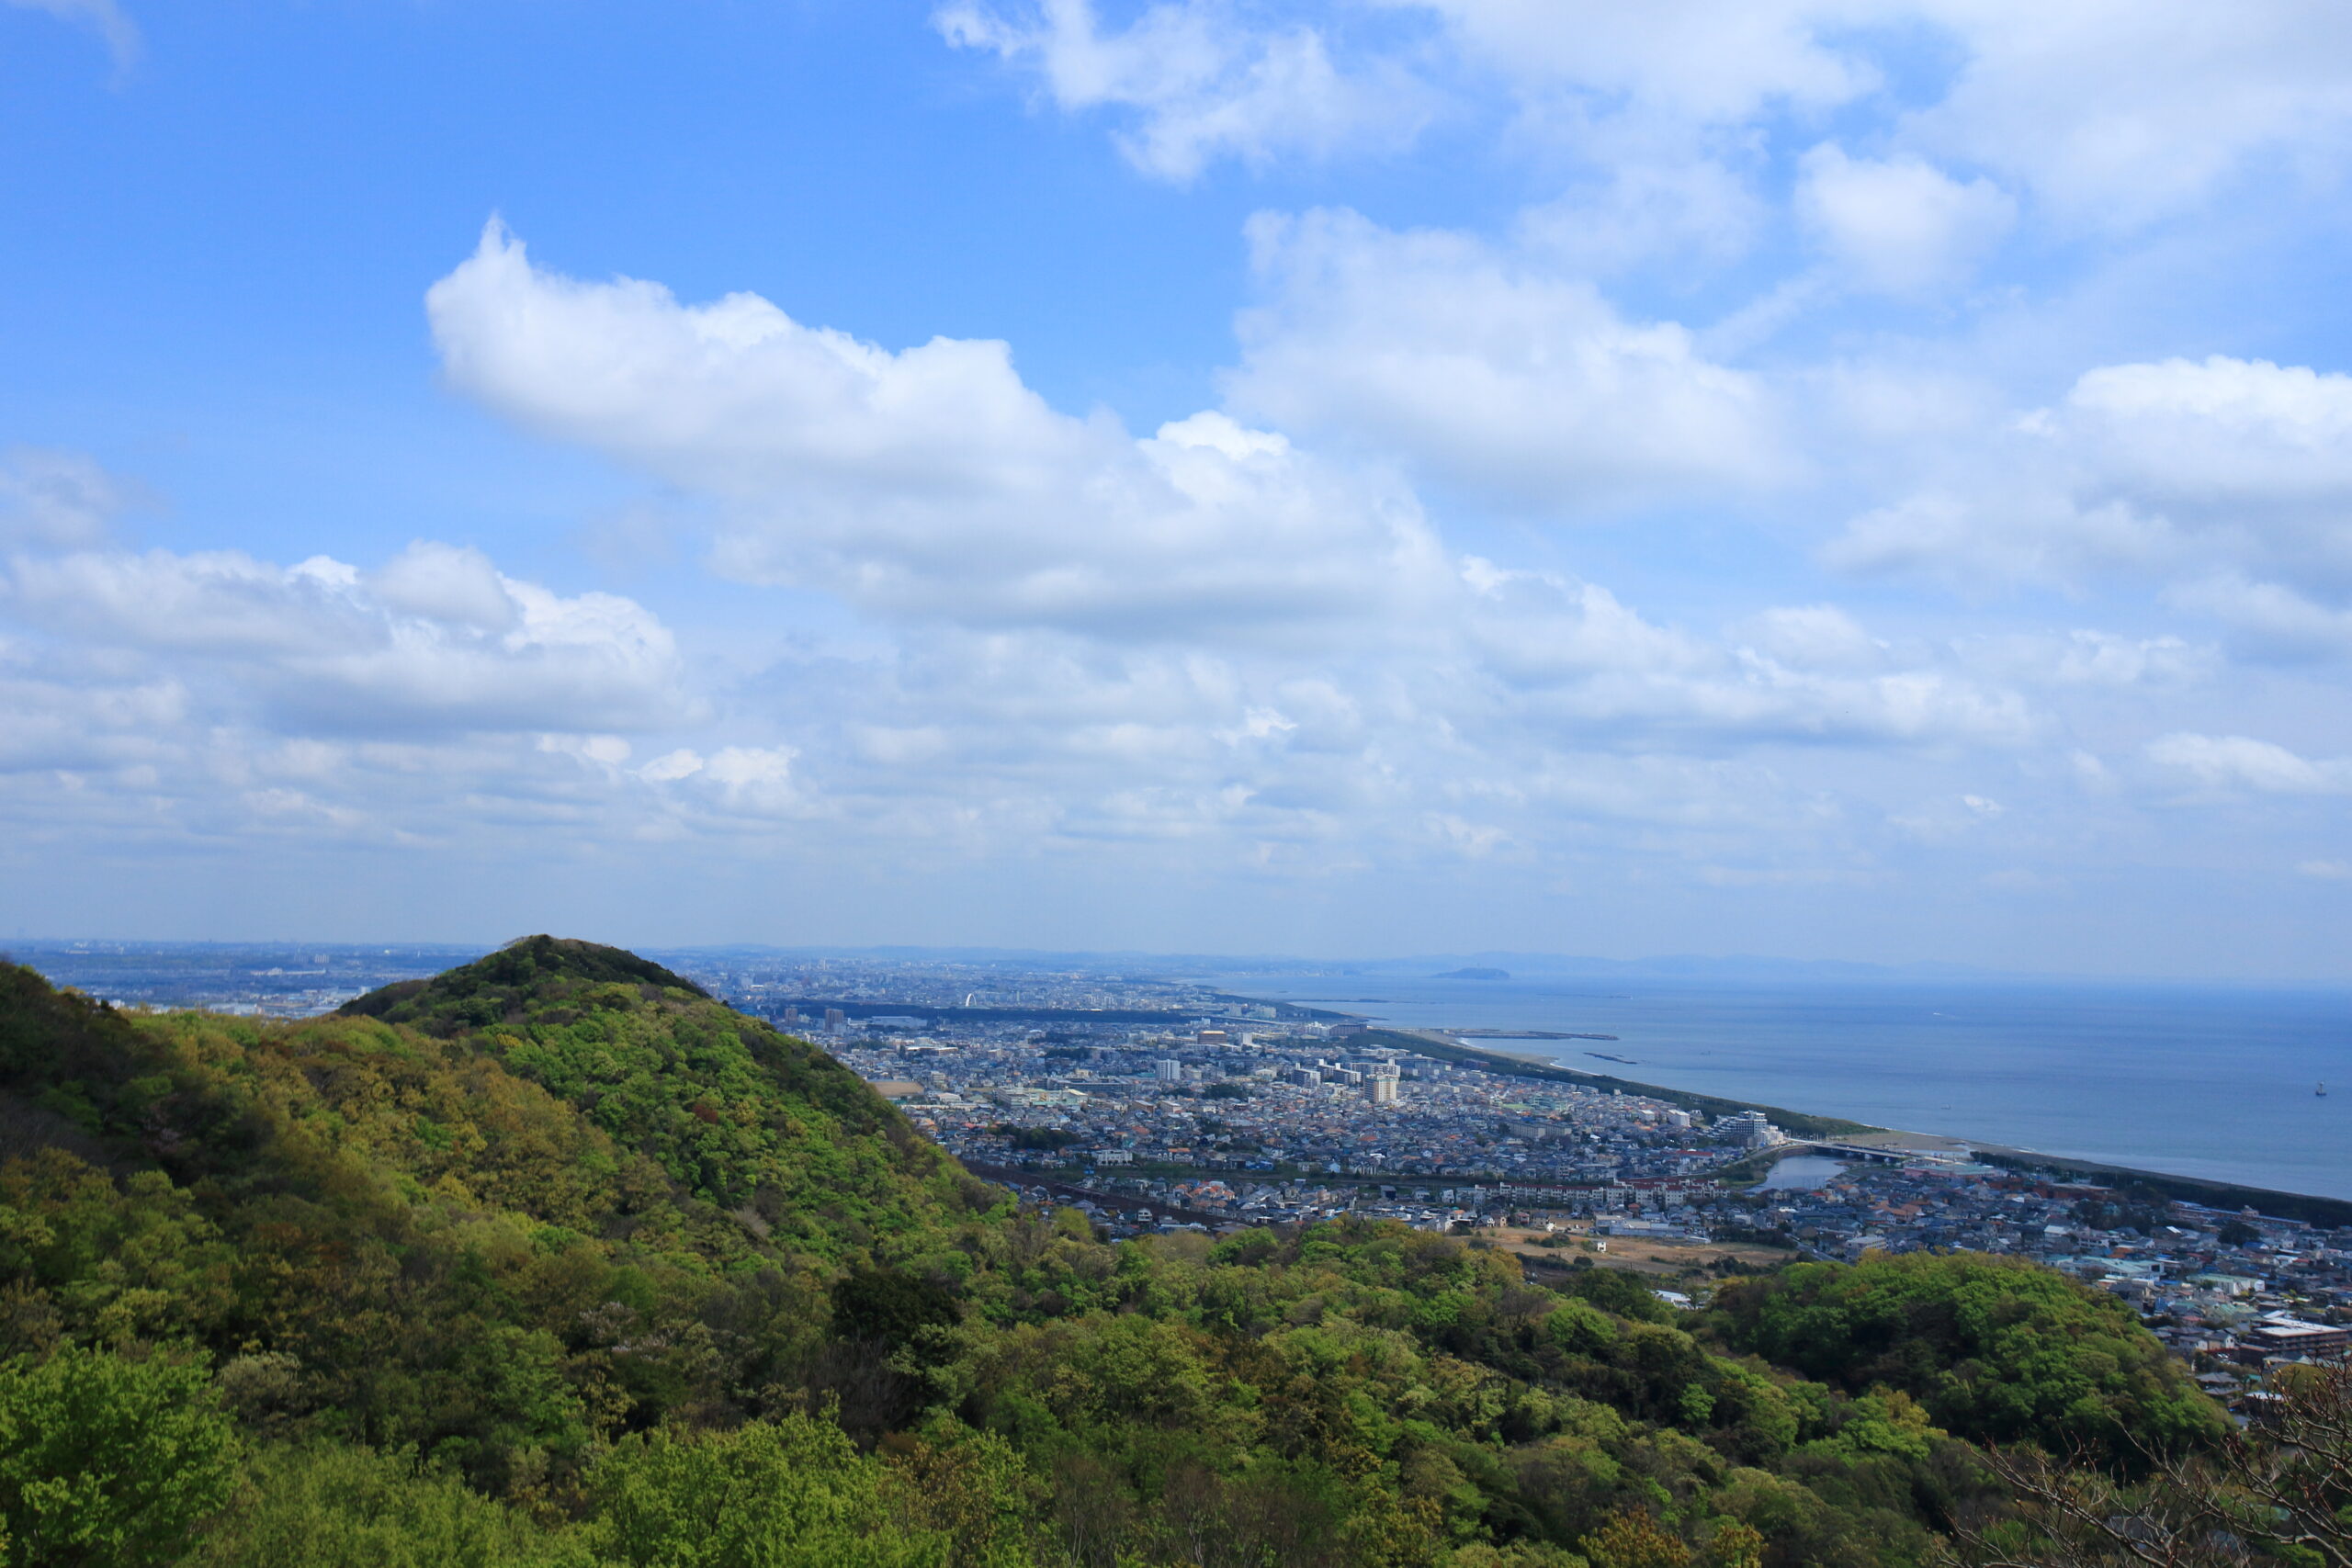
(1857, 478)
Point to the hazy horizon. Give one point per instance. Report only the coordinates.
(1698, 968)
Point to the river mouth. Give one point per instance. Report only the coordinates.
(1802, 1173)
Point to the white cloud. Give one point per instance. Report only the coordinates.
(1198, 636)
(1899, 226)
(1649, 205)
(1996, 535)
(2269, 619)
(1577, 658)
(2237, 761)
(2113, 112)
(1946, 819)
(1709, 62)
(2118, 111)
(2089, 659)
(2231, 478)
(1813, 636)
(442, 582)
(929, 482)
(1501, 377)
(54, 716)
(756, 782)
(2256, 456)
(437, 639)
(53, 500)
(1199, 82)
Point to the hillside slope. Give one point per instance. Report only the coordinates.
(554, 1259)
(737, 1114)
(610, 1200)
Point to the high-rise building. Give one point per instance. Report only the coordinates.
(832, 1021)
(791, 1015)
(1383, 1090)
(1169, 1070)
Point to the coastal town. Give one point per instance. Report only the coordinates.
(1239, 1117)
(1151, 1104)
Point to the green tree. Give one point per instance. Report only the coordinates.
(328, 1505)
(788, 1494)
(108, 1462)
(1997, 1349)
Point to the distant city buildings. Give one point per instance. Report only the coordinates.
(1198, 1112)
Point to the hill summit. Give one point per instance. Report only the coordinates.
(554, 1193)
(509, 980)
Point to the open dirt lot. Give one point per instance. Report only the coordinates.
(1666, 1258)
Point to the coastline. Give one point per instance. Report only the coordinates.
(1804, 1126)
(1442, 1047)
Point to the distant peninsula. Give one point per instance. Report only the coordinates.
(1473, 975)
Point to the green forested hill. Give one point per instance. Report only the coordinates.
(553, 1259)
(615, 1201)
(739, 1116)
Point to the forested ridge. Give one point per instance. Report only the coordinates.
(555, 1259)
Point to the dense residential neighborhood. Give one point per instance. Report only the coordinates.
(1152, 1104)
(1232, 1121)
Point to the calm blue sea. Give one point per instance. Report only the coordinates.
(2209, 1082)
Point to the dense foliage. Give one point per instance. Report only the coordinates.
(555, 1260)
(1998, 1350)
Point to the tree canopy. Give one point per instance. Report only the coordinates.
(552, 1260)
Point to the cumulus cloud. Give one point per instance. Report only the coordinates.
(2229, 479)
(1898, 226)
(931, 485)
(929, 481)
(1198, 82)
(2256, 456)
(204, 697)
(1501, 377)
(437, 639)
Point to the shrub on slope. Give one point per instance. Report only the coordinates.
(1996, 1348)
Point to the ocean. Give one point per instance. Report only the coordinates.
(2213, 1082)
